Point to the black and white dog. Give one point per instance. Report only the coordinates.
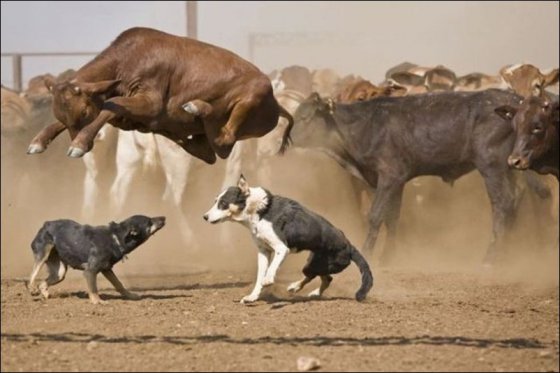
(280, 225)
(62, 243)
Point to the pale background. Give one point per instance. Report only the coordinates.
(363, 38)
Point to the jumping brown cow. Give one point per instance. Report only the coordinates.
(202, 97)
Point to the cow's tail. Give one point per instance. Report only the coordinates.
(367, 277)
(286, 139)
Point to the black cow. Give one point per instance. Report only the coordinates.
(391, 140)
(537, 140)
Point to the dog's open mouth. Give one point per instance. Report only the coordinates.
(157, 224)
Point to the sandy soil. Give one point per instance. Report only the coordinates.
(413, 320)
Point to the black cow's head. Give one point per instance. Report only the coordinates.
(535, 123)
(312, 121)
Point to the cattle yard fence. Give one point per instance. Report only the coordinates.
(17, 62)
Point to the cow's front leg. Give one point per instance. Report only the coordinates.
(44, 137)
(141, 105)
(83, 142)
(501, 190)
(387, 201)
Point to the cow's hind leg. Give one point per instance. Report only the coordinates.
(391, 222)
(238, 115)
(198, 108)
(57, 272)
(385, 206)
(128, 159)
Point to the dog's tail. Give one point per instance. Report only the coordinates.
(286, 138)
(367, 277)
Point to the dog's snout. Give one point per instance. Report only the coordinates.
(159, 221)
(205, 217)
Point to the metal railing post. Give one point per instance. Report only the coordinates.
(16, 67)
(192, 19)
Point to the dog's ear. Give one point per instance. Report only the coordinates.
(243, 185)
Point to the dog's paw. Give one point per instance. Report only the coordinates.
(315, 293)
(32, 290)
(294, 287)
(249, 299)
(132, 296)
(43, 288)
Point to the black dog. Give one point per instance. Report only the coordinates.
(62, 243)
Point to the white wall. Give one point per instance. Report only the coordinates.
(369, 37)
(72, 26)
(353, 37)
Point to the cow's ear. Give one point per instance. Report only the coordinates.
(49, 82)
(507, 112)
(243, 185)
(394, 90)
(102, 87)
(551, 78)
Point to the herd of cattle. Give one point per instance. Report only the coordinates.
(416, 121)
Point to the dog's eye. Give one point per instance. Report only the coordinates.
(222, 205)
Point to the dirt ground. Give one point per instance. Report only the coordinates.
(413, 320)
(435, 308)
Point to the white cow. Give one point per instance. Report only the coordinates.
(136, 151)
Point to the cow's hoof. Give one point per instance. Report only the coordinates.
(35, 149)
(75, 152)
(132, 296)
(191, 108)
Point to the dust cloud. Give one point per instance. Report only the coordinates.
(442, 228)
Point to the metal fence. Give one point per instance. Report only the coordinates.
(17, 63)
